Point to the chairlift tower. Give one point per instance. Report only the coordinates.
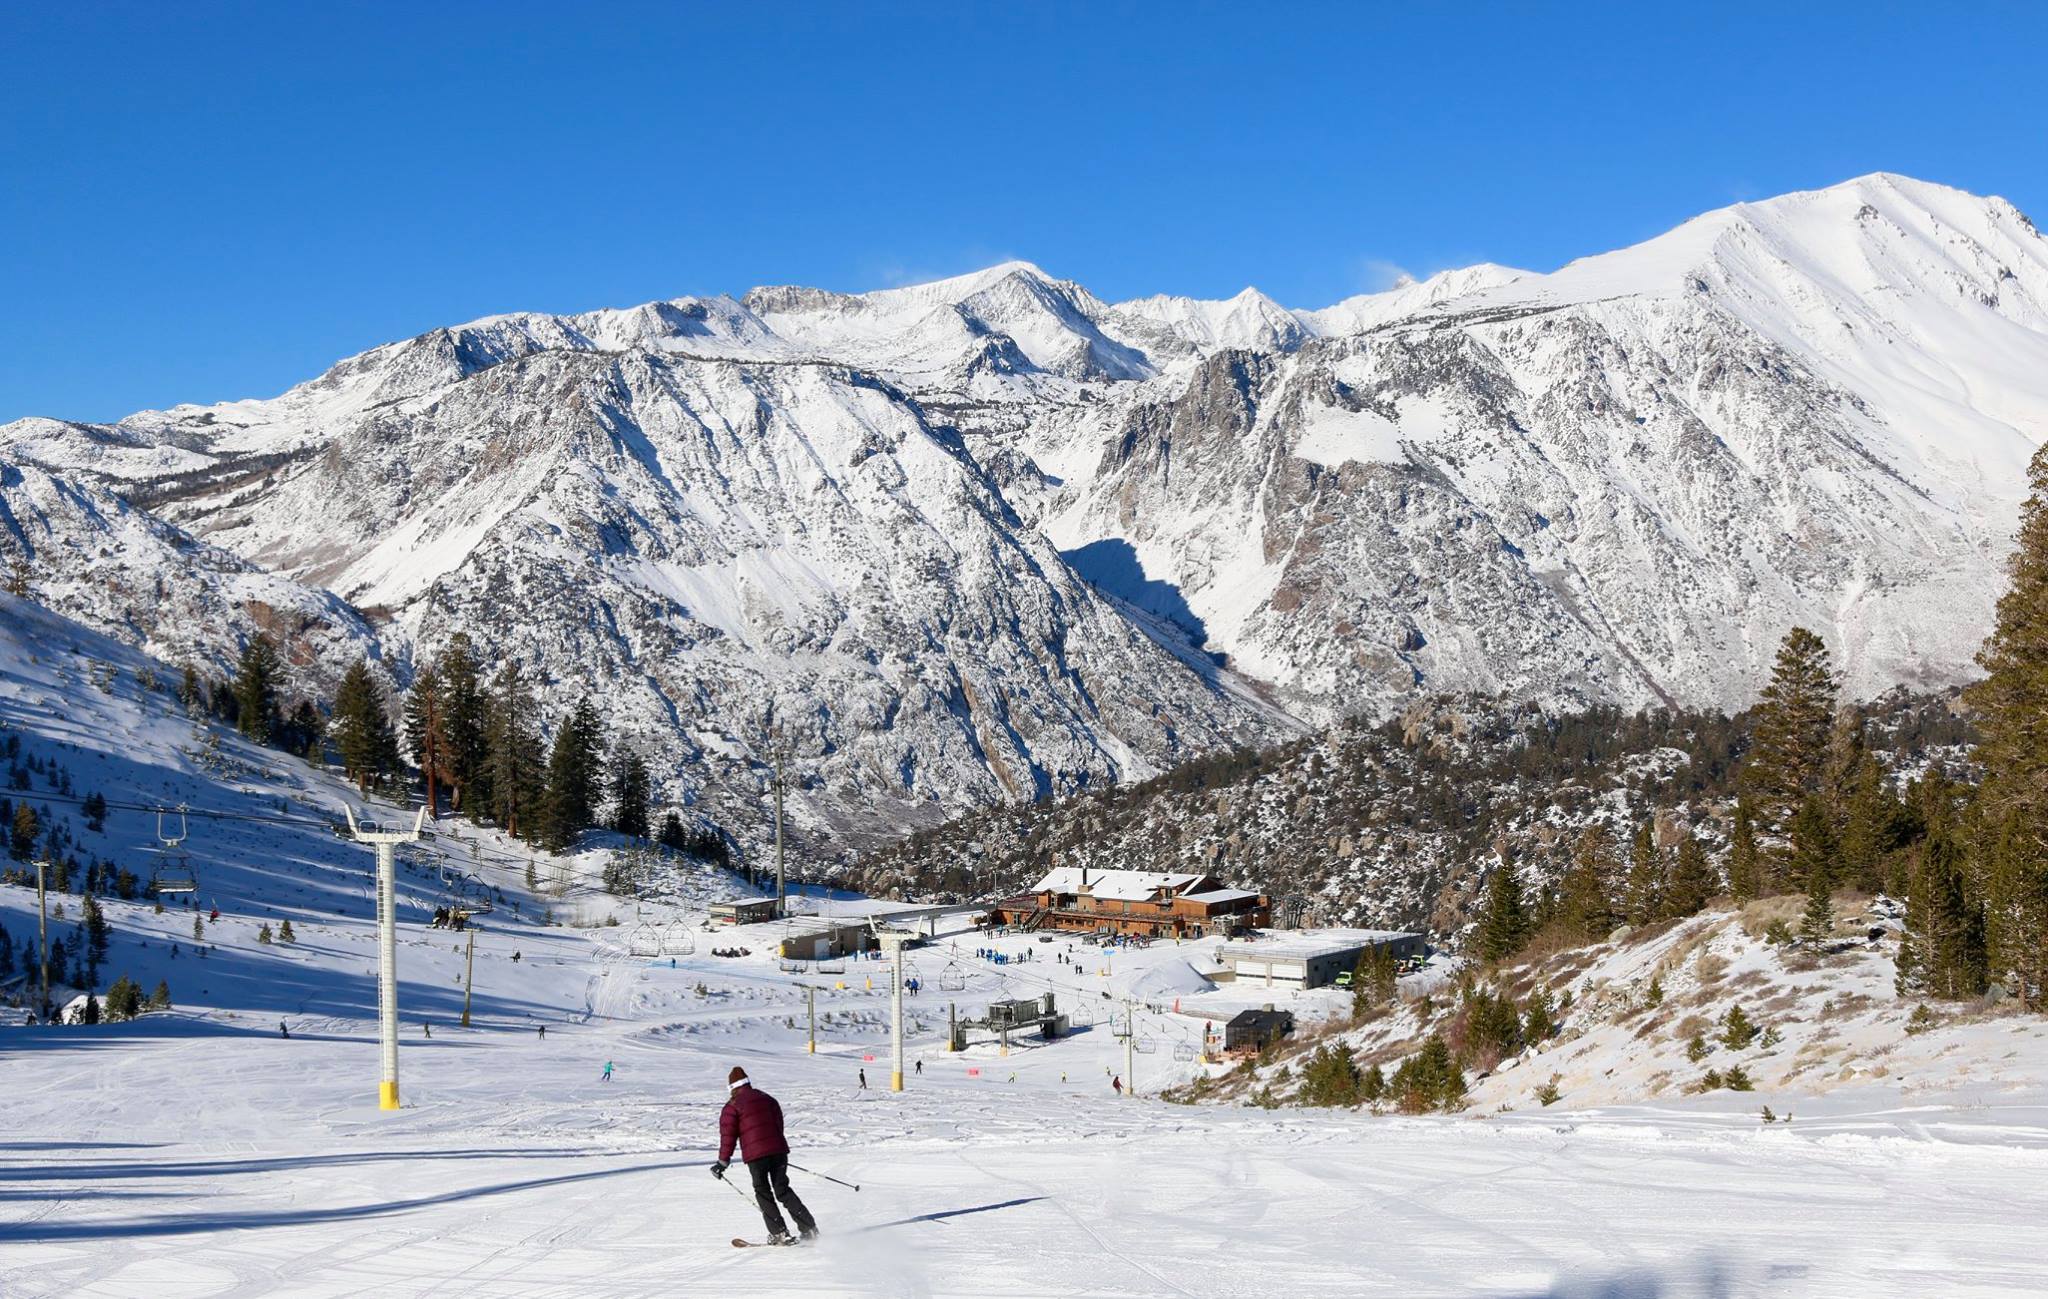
(893, 941)
(386, 843)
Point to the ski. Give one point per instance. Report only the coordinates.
(738, 1243)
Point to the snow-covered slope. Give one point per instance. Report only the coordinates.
(987, 537)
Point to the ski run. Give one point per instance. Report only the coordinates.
(561, 1144)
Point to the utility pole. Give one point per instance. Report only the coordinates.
(469, 977)
(386, 843)
(781, 889)
(811, 1006)
(1130, 1053)
(43, 937)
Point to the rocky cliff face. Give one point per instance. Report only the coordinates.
(992, 539)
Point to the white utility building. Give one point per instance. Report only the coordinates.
(1310, 958)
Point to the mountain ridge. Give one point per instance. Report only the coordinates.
(1615, 483)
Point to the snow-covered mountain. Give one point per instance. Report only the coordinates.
(990, 537)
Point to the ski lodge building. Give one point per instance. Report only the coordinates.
(1142, 904)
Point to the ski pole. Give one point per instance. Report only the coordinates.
(737, 1191)
(827, 1176)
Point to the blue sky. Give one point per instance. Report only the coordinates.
(201, 202)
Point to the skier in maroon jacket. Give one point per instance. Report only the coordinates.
(753, 1119)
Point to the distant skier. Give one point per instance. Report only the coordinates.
(1117, 1085)
(863, 1080)
(607, 1071)
(543, 1032)
(282, 1031)
(920, 1068)
(754, 1120)
(426, 1028)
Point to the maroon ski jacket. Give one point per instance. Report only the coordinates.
(753, 1119)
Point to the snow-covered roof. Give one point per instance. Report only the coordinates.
(1222, 895)
(1307, 944)
(1117, 886)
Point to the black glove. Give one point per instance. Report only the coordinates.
(718, 1169)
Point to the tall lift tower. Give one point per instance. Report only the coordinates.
(386, 843)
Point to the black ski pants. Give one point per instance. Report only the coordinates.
(771, 1183)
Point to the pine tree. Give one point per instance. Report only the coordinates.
(1745, 863)
(285, 934)
(97, 931)
(1504, 926)
(1586, 894)
(1692, 882)
(1644, 895)
(124, 999)
(256, 683)
(515, 776)
(6, 956)
(199, 929)
(1788, 753)
(573, 764)
(263, 934)
(1869, 826)
(1817, 924)
(2010, 827)
(27, 829)
(90, 1012)
(189, 693)
(1942, 952)
(161, 998)
(2015, 905)
(1373, 981)
(425, 737)
(466, 723)
(362, 727)
(631, 788)
(1811, 862)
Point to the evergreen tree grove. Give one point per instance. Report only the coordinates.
(2010, 825)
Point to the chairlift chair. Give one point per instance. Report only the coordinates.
(173, 870)
(1081, 1017)
(645, 940)
(1144, 1045)
(1184, 1052)
(832, 965)
(676, 940)
(1121, 1027)
(952, 979)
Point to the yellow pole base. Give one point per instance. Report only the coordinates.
(895, 1080)
(812, 1047)
(387, 1096)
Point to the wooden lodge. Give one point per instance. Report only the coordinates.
(1139, 904)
